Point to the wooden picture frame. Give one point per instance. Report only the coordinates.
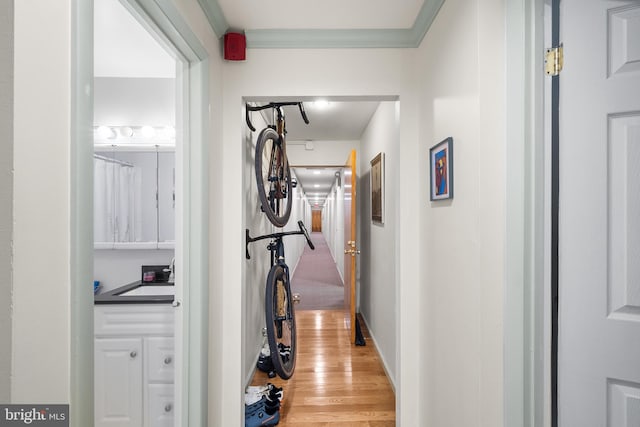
(377, 188)
(441, 167)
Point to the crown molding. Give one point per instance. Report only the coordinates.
(329, 39)
(215, 15)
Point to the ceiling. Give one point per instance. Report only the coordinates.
(316, 182)
(125, 48)
(324, 24)
(325, 14)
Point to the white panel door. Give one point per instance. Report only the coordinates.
(599, 223)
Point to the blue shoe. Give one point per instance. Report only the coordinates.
(262, 405)
(267, 417)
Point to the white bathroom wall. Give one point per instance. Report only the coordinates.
(461, 95)
(117, 267)
(377, 284)
(122, 101)
(6, 193)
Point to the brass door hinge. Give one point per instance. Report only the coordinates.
(553, 61)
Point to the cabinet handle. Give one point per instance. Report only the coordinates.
(167, 360)
(167, 407)
(133, 354)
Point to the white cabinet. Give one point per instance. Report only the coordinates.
(134, 365)
(118, 382)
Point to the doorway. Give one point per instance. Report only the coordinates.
(163, 22)
(380, 132)
(137, 109)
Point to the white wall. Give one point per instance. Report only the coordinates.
(377, 242)
(114, 268)
(325, 153)
(333, 225)
(6, 193)
(41, 202)
(461, 94)
(125, 101)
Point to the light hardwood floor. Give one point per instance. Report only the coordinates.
(334, 383)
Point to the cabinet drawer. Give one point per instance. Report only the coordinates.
(160, 360)
(160, 408)
(133, 319)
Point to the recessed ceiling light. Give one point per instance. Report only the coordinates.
(316, 185)
(316, 172)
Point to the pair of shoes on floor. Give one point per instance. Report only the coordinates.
(262, 405)
(256, 393)
(262, 417)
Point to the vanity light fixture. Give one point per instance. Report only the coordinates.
(126, 132)
(105, 132)
(147, 131)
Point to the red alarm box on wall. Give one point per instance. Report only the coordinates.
(235, 46)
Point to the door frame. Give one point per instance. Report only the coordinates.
(166, 20)
(527, 331)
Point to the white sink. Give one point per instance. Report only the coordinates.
(146, 290)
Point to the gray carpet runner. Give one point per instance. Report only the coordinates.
(316, 278)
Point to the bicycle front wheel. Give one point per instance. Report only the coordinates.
(281, 322)
(273, 178)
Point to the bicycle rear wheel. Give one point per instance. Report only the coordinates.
(281, 322)
(273, 178)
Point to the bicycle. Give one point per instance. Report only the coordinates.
(279, 312)
(273, 176)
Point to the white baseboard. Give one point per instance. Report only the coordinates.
(384, 362)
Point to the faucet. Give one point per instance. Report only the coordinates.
(171, 270)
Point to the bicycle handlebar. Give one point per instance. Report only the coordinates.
(275, 105)
(306, 234)
(303, 231)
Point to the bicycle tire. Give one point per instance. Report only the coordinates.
(281, 322)
(273, 178)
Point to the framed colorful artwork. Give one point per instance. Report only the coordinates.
(377, 188)
(441, 164)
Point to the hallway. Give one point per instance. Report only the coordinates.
(316, 278)
(335, 383)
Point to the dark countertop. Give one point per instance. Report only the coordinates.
(114, 297)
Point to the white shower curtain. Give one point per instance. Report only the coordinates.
(117, 214)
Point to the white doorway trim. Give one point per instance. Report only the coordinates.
(526, 330)
(165, 19)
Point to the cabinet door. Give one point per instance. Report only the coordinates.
(118, 382)
(166, 196)
(160, 410)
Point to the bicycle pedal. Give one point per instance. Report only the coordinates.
(296, 298)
